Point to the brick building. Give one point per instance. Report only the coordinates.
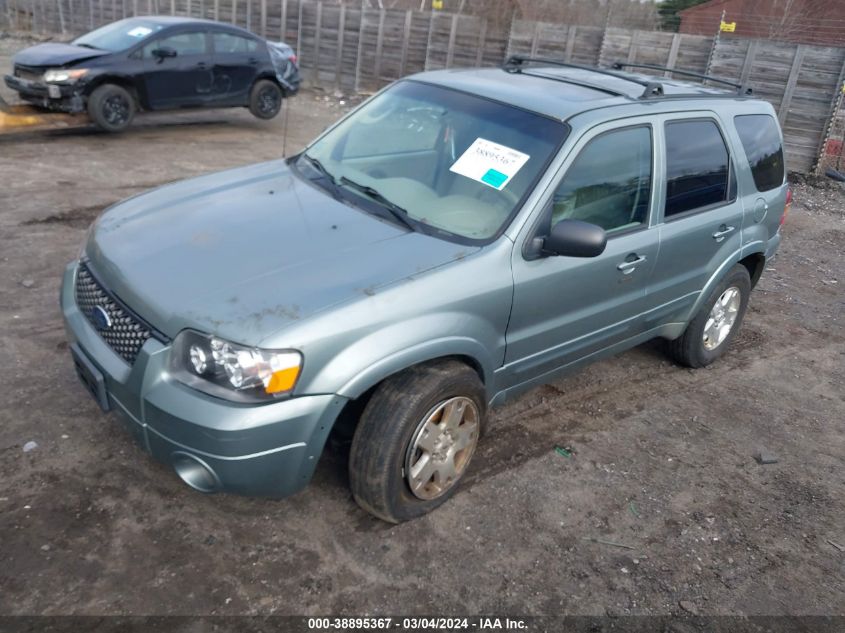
(820, 22)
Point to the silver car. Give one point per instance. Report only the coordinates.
(459, 238)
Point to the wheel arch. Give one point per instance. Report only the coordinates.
(756, 264)
(124, 82)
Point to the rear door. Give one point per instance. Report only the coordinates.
(566, 308)
(701, 215)
(183, 79)
(236, 64)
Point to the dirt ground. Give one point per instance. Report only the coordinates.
(662, 456)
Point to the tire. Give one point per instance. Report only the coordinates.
(394, 418)
(265, 99)
(692, 349)
(111, 108)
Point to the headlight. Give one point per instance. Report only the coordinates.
(228, 370)
(59, 76)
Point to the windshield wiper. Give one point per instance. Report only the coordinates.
(395, 210)
(93, 48)
(321, 168)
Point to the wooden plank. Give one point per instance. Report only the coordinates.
(216, 9)
(535, 39)
(299, 32)
(234, 11)
(284, 25)
(360, 50)
(786, 100)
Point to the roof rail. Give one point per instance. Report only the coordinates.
(740, 88)
(515, 63)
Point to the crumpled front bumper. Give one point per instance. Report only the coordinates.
(64, 98)
(268, 450)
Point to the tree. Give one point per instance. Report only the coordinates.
(668, 10)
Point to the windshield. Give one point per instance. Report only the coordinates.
(452, 161)
(118, 36)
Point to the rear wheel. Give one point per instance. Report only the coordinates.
(265, 99)
(415, 440)
(111, 108)
(714, 327)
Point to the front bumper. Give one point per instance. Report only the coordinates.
(268, 450)
(60, 97)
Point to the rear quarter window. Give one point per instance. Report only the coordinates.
(761, 141)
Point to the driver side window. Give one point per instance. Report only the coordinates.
(609, 183)
(190, 43)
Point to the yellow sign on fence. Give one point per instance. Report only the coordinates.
(728, 27)
(436, 4)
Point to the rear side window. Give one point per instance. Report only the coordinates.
(230, 43)
(761, 141)
(697, 166)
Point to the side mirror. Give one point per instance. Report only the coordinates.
(162, 52)
(574, 238)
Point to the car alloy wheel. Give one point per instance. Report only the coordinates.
(268, 101)
(722, 318)
(441, 447)
(116, 110)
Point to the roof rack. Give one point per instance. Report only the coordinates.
(515, 63)
(740, 88)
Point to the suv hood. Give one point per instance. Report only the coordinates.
(246, 252)
(52, 54)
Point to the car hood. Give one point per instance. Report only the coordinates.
(52, 54)
(247, 252)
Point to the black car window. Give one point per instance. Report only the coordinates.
(697, 166)
(761, 141)
(609, 183)
(188, 43)
(231, 43)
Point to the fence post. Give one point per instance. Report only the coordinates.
(317, 28)
(604, 35)
(61, 16)
(283, 27)
(791, 82)
(409, 15)
(632, 48)
(482, 42)
(715, 45)
(428, 42)
(379, 47)
(535, 39)
(248, 15)
(453, 32)
(264, 19)
(673, 53)
(360, 49)
(570, 42)
(299, 31)
(341, 28)
(234, 12)
(750, 54)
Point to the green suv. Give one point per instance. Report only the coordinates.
(462, 236)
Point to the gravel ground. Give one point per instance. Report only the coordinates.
(662, 456)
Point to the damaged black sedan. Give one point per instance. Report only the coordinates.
(156, 63)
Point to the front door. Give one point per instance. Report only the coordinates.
(566, 308)
(177, 70)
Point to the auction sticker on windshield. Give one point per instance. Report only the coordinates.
(139, 31)
(490, 163)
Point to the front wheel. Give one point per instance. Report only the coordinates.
(415, 440)
(265, 99)
(717, 322)
(111, 107)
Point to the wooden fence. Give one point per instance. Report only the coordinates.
(355, 49)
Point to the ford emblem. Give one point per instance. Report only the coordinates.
(101, 318)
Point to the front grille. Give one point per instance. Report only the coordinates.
(30, 74)
(126, 334)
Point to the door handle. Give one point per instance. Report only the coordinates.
(201, 65)
(722, 232)
(253, 60)
(628, 266)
